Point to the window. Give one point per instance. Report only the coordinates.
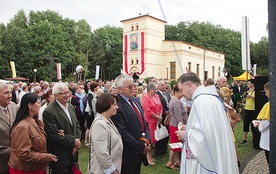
(131, 61)
(137, 27)
(218, 71)
(189, 66)
(137, 61)
(172, 71)
(197, 69)
(213, 72)
(205, 75)
(132, 28)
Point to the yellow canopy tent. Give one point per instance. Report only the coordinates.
(243, 76)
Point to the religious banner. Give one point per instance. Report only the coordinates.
(13, 69)
(245, 45)
(97, 72)
(134, 42)
(59, 71)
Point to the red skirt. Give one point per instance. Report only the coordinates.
(152, 128)
(173, 137)
(14, 171)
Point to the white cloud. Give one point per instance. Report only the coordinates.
(99, 13)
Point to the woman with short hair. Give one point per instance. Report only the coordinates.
(105, 140)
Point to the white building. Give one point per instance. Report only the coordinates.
(146, 53)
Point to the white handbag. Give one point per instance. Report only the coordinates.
(160, 133)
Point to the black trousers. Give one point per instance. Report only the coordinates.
(134, 168)
(161, 147)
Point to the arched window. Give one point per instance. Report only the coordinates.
(137, 27)
(132, 27)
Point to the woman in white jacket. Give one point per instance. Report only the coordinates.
(105, 140)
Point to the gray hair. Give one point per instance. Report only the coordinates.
(57, 87)
(161, 82)
(151, 85)
(45, 83)
(221, 78)
(4, 86)
(120, 80)
(99, 90)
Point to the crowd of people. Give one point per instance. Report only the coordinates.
(43, 125)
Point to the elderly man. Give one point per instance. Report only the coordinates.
(221, 82)
(63, 130)
(7, 117)
(131, 124)
(15, 93)
(208, 141)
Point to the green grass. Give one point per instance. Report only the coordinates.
(160, 166)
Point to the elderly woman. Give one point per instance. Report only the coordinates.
(49, 98)
(79, 101)
(178, 113)
(28, 142)
(153, 114)
(106, 142)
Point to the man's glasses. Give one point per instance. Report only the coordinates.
(64, 93)
(129, 87)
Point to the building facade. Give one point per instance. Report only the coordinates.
(146, 53)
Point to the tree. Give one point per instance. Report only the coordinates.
(107, 51)
(14, 44)
(82, 43)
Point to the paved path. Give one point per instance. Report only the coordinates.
(257, 165)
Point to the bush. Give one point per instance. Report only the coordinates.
(146, 80)
(172, 83)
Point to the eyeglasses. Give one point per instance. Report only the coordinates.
(64, 93)
(129, 87)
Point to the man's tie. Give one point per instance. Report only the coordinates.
(138, 114)
(166, 98)
(6, 112)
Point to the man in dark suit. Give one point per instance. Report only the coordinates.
(63, 130)
(161, 146)
(236, 93)
(15, 93)
(130, 122)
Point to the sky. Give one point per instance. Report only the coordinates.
(98, 13)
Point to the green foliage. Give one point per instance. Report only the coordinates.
(172, 83)
(28, 40)
(147, 79)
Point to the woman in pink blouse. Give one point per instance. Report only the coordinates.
(153, 113)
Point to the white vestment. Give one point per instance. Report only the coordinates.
(209, 146)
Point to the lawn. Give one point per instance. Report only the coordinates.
(160, 166)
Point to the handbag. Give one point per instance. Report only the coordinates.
(160, 133)
(167, 119)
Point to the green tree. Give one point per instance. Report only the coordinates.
(14, 44)
(82, 43)
(259, 56)
(107, 51)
